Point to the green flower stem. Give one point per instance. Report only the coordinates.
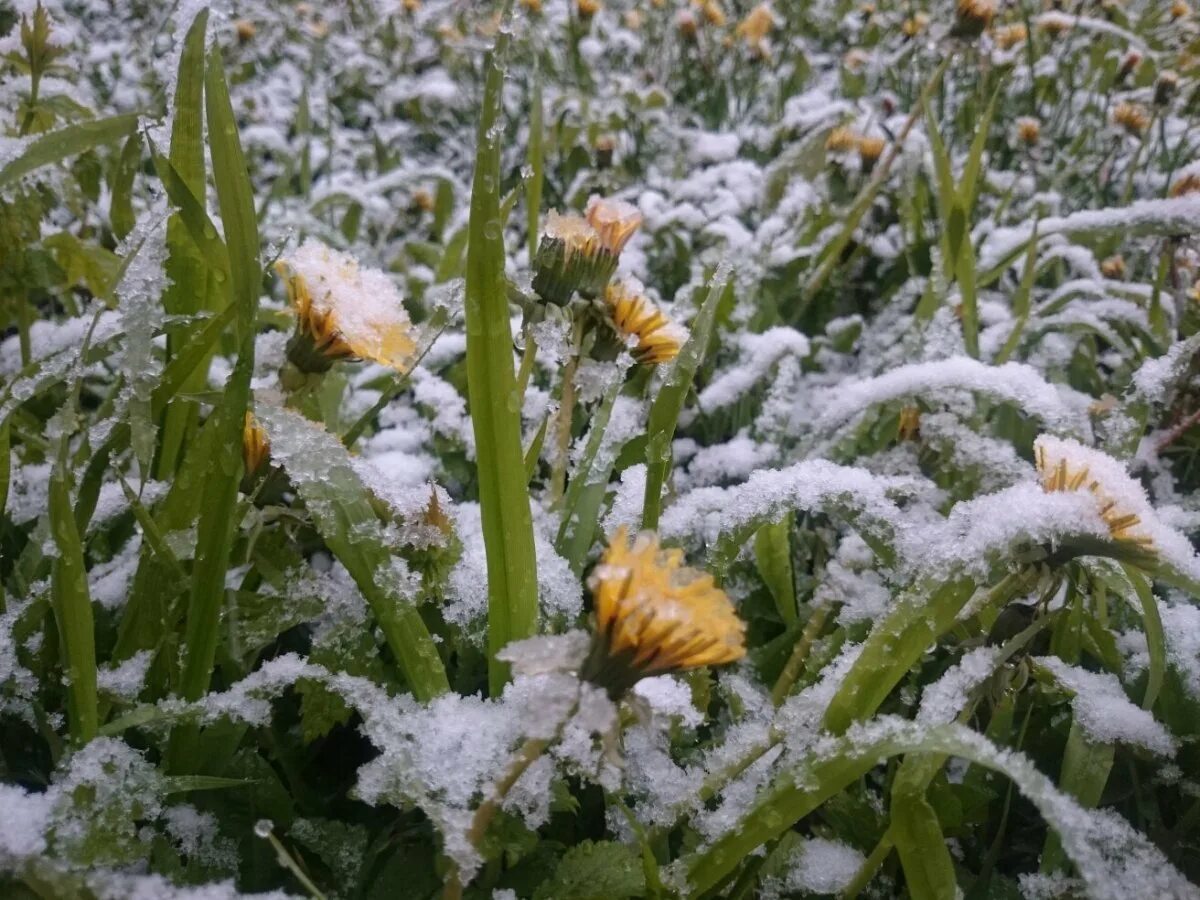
(562, 422)
(795, 664)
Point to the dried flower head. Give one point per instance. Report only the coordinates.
(654, 615)
(615, 222)
(635, 317)
(255, 445)
(1188, 183)
(1129, 63)
(1029, 130)
(1066, 465)
(973, 17)
(343, 311)
(1131, 117)
(1113, 267)
(1008, 36)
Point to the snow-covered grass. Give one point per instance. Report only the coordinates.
(323, 459)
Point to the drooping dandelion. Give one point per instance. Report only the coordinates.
(344, 311)
(637, 319)
(655, 615)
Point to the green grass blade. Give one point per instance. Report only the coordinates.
(585, 494)
(664, 413)
(120, 209)
(773, 559)
(1022, 302)
(319, 466)
(916, 832)
(217, 528)
(495, 406)
(58, 145)
(1156, 643)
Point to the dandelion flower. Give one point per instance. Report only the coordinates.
(755, 28)
(654, 615)
(909, 426)
(343, 311)
(1029, 130)
(713, 14)
(842, 139)
(1186, 184)
(1131, 117)
(255, 446)
(870, 149)
(972, 17)
(1008, 36)
(637, 318)
(914, 25)
(1067, 465)
(1180, 10)
(587, 8)
(1165, 87)
(614, 221)
(246, 30)
(570, 258)
(1113, 267)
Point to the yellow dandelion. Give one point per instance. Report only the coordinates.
(973, 17)
(655, 615)
(1180, 10)
(713, 14)
(755, 28)
(343, 311)
(914, 25)
(587, 8)
(1113, 267)
(636, 317)
(1067, 465)
(1008, 36)
(245, 29)
(842, 139)
(570, 257)
(1131, 117)
(909, 426)
(870, 149)
(1029, 130)
(255, 446)
(1186, 184)
(614, 221)
(423, 200)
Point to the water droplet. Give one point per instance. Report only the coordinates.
(491, 229)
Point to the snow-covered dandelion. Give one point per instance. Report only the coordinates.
(343, 311)
(1165, 87)
(914, 25)
(587, 8)
(1180, 10)
(655, 615)
(570, 257)
(637, 318)
(972, 17)
(614, 221)
(1186, 184)
(255, 445)
(1066, 465)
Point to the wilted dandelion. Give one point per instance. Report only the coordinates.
(654, 615)
(343, 311)
(255, 445)
(1068, 466)
(1131, 117)
(1165, 87)
(636, 317)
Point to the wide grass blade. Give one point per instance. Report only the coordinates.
(69, 141)
(664, 412)
(341, 509)
(494, 403)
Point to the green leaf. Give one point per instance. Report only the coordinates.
(495, 406)
(773, 559)
(58, 145)
(596, 870)
(120, 209)
(664, 412)
(1156, 643)
(341, 509)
